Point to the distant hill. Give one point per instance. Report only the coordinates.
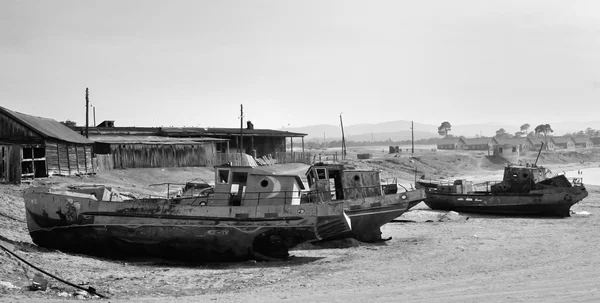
(400, 130)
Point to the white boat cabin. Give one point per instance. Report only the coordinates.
(247, 186)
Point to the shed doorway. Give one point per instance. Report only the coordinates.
(3, 163)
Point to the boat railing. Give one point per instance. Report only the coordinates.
(485, 186)
(578, 181)
(168, 184)
(482, 186)
(361, 192)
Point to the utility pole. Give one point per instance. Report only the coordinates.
(412, 134)
(87, 111)
(324, 145)
(241, 132)
(94, 108)
(343, 139)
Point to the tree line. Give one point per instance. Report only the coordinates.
(542, 130)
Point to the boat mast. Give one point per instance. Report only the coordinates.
(343, 139)
(538, 156)
(87, 111)
(412, 136)
(241, 147)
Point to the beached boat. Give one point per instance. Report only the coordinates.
(248, 215)
(524, 190)
(367, 202)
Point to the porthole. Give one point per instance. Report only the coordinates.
(525, 176)
(356, 177)
(264, 183)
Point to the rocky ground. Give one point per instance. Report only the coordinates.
(470, 259)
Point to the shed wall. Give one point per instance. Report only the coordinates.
(163, 155)
(68, 159)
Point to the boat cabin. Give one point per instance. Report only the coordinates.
(459, 186)
(247, 186)
(519, 179)
(331, 182)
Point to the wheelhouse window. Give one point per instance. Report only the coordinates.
(311, 177)
(240, 177)
(223, 176)
(321, 174)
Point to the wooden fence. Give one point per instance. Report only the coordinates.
(104, 162)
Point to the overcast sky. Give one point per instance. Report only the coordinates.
(297, 63)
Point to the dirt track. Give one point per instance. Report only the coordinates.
(482, 259)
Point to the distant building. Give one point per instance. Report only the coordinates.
(583, 142)
(595, 141)
(510, 150)
(564, 142)
(478, 143)
(522, 144)
(36, 147)
(450, 143)
(189, 146)
(537, 143)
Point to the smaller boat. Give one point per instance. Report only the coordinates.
(247, 215)
(367, 202)
(524, 190)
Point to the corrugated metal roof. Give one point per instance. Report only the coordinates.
(195, 131)
(151, 140)
(47, 128)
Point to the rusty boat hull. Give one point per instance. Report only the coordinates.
(550, 202)
(159, 228)
(369, 214)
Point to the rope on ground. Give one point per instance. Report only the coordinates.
(5, 215)
(90, 289)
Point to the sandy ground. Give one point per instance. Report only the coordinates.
(479, 259)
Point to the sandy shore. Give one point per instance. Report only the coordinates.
(482, 259)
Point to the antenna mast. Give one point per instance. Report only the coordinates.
(87, 111)
(241, 132)
(412, 134)
(343, 139)
(538, 156)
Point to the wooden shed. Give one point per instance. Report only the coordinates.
(537, 143)
(451, 143)
(522, 144)
(583, 142)
(154, 151)
(478, 143)
(255, 142)
(564, 142)
(35, 147)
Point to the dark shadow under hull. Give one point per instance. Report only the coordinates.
(543, 210)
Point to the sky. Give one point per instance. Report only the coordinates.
(299, 63)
